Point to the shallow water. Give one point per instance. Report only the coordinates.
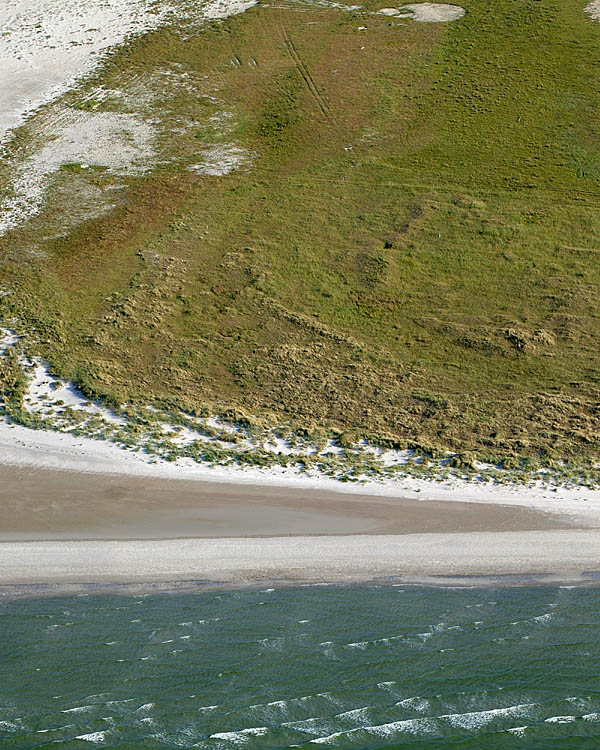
(317, 666)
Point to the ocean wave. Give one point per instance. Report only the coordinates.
(240, 734)
(415, 703)
(12, 726)
(297, 712)
(430, 725)
(560, 719)
(389, 687)
(478, 719)
(517, 731)
(92, 737)
(544, 618)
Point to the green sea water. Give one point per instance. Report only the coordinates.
(311, 666)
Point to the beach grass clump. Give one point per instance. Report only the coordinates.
(249, 442)
(13, 381)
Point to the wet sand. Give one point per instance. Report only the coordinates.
(39, 504)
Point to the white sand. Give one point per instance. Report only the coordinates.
(47, 45)
(593, 9)
(224, 8)
(426, 12)
(120, 142)
(564, 554)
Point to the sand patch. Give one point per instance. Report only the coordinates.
(47, 45)
(426, 12)
(220, 160)
(120, 143)
(225, 8)
(593, 9)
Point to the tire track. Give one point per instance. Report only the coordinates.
(308, 79)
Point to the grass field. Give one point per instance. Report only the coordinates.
(409, 248)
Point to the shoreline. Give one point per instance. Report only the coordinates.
(455, 560)
(132, 525)
(12, 592)
(64, 529)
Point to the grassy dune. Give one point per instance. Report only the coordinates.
(410, 251)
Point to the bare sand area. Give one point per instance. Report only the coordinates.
(507, 556)
(72, 532)
(44, 504)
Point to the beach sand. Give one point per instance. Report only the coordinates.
(42, 504)
(68, 529)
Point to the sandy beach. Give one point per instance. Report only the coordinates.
(48, 505)
(69, 529)
(456, 558)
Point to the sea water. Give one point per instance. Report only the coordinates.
(306, 667)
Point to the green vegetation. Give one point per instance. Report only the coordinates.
(411, 257)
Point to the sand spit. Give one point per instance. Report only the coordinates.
(426, 12)
(564, 555)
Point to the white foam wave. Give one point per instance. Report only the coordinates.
(356, 714)
(77, 709)
(240, 735)
(478, 719)
(269, 709)
(92, 737)
(424, 726)
(415, 703)
(11, 725)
